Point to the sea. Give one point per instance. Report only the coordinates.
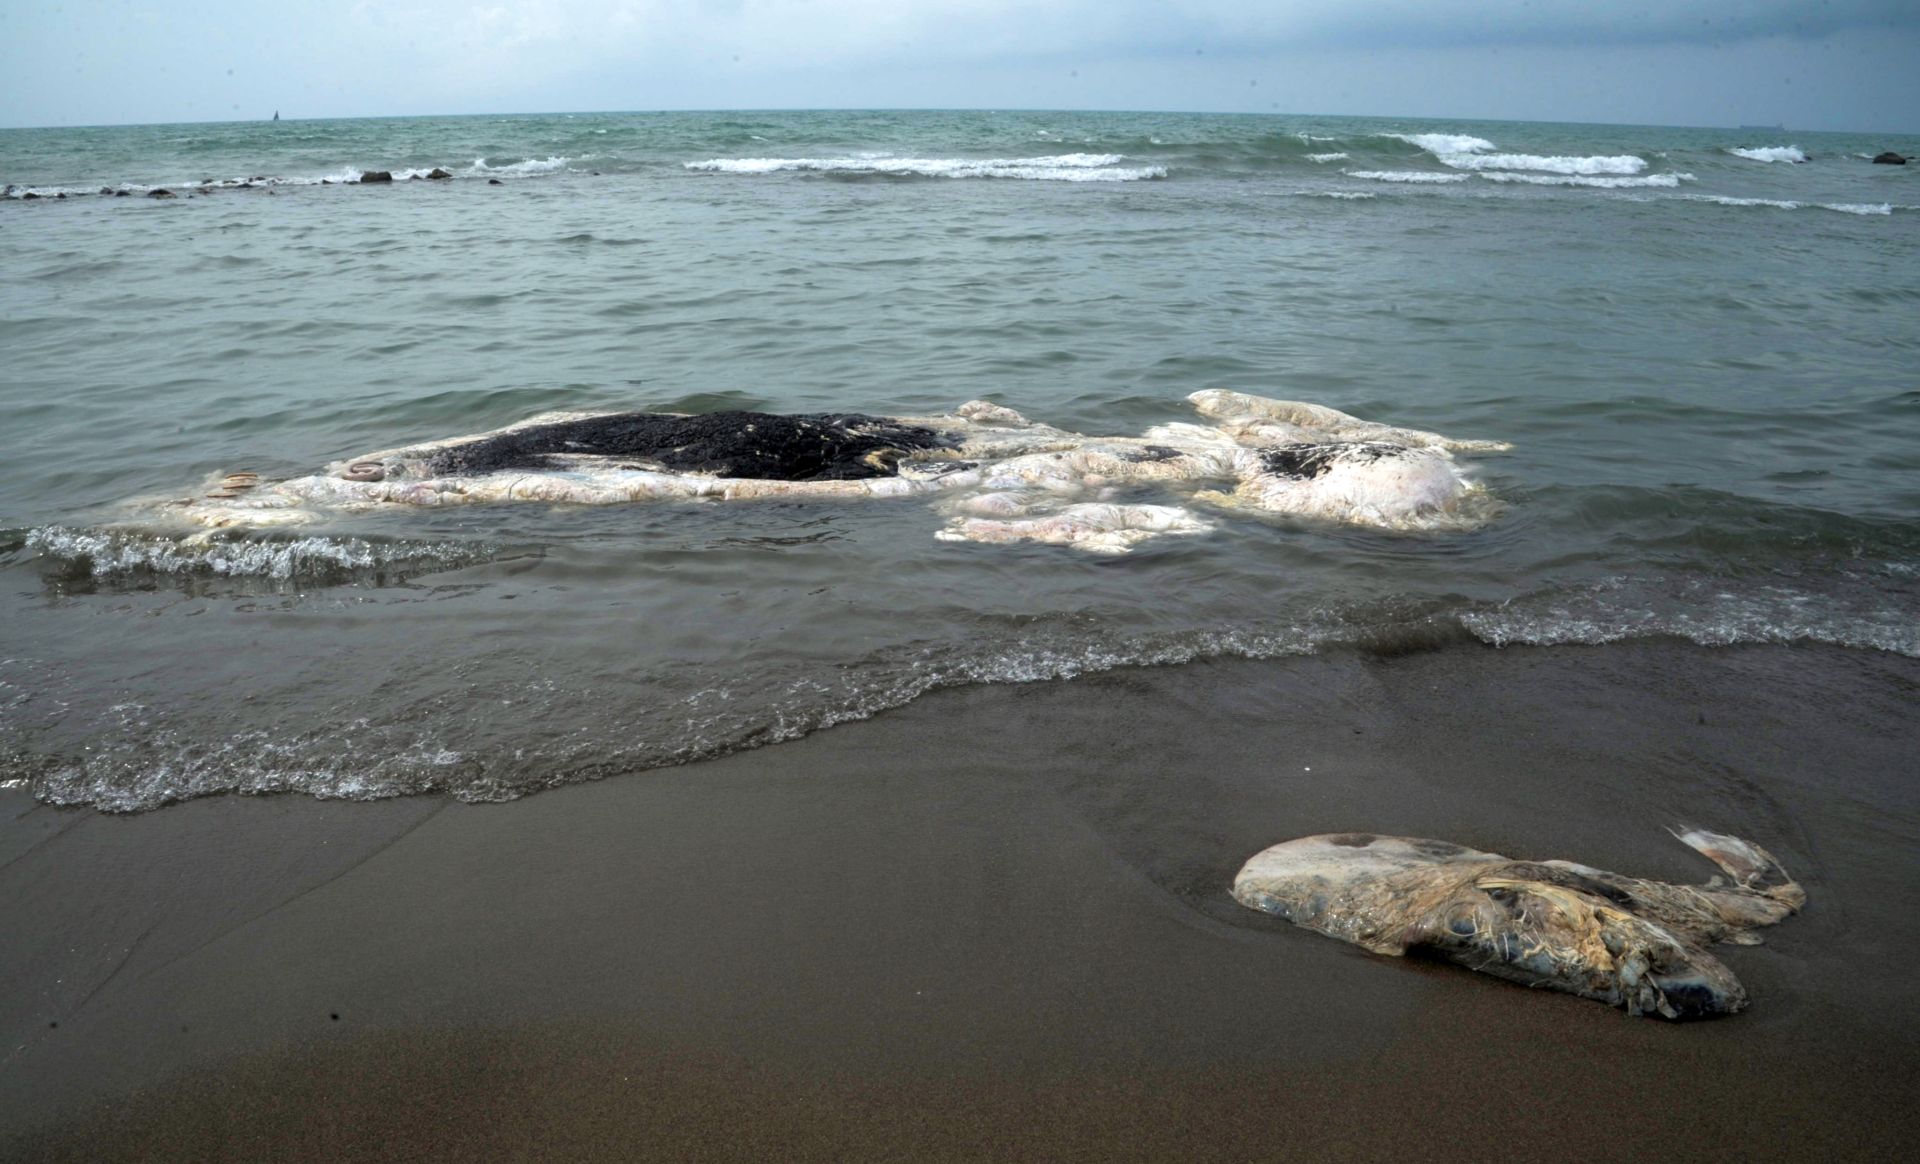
(1703, 345)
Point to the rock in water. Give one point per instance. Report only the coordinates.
(376, 176)
(437, 173)
(1889, 159)
(1627, 942)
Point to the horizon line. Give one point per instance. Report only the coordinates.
(278, 117)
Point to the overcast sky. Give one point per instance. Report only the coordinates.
(1809, 64)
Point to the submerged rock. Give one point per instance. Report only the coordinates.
(1889, 159)
(437, 173)
(162, 192)
(372, 176)
(495, 182)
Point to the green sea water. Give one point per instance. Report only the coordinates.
(1703, 344)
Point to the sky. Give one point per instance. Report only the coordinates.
(1805, 64)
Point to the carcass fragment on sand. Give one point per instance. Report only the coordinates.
(1624, 941)
(993, 474)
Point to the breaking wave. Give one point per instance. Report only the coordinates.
(528, 166)
(344, 176)
(1055, 168)
(1444, 143)
(1865, 208)
(1477, 155)
(1601, 183)
(1617, 164)
(1415, 176)
(138, 756)
(93, 559)
(1703, 611)
(1770, 154)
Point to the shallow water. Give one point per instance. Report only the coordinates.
(1704, 361)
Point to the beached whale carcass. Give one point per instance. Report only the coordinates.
(1624, 941)
(995, 475)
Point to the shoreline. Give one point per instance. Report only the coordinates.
(993, 923)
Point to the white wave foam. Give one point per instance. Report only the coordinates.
(144, 759)
(529, 166)
(1444, 143)
(18, 193)
(1345, 195)
(1770, 154)
(1705, 614)
(110, 554)
(343, 176)
(1056, 167)
(1326, 157)
(1614, 164)
(1404, 176)
(1722, 200)
(1874, 208)
(1602, 183)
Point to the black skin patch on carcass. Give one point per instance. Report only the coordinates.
(1303, 462)
(1573, 879)
(765, 446)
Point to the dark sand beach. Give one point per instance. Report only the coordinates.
(992, 924)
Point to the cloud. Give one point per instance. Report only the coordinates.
(114, 59)
(459, 51)
(828, 33)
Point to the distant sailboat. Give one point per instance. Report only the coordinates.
(276, 115)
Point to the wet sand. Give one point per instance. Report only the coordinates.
(992, 924)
